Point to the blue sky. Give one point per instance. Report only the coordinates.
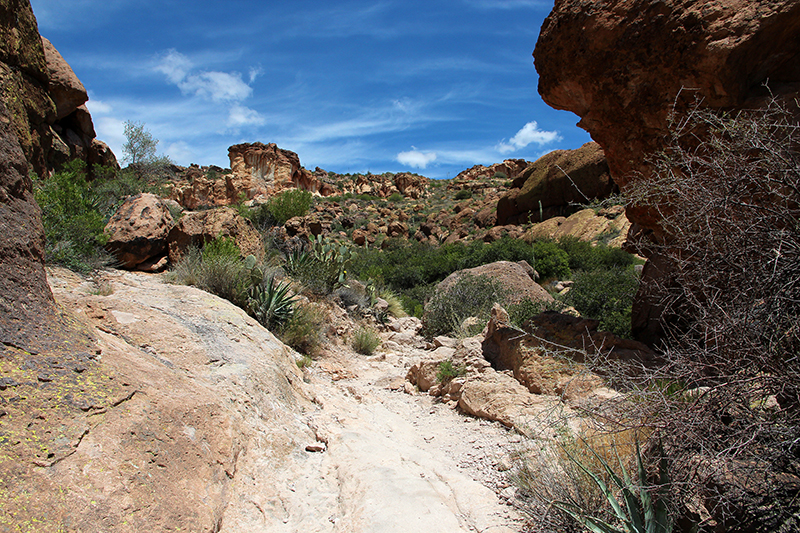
(430, 87)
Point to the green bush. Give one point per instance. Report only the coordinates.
(289, 204)
(521, 312)
(588, 256)
(463, 194)
(396, 197)
(447, 371)
(550, 261)
(73, 218)
(320, 265)
(221, 248)
(605, 295)
(365, 340)
(470, 296)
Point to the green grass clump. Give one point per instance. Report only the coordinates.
(448, 371)
(365, 340)
(304, 330)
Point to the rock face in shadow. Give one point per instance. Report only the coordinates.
(622, 66)
(555, 181)
(43, 124)
(26, 304)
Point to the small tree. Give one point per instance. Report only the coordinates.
(140, 146)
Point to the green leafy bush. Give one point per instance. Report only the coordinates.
(525, 310)
(365, 340)
(550, 261)
(396, 197)
(463, 194)
(289, 204)
(605, 295)
(448, 371)
(470, 296)
(73, 218)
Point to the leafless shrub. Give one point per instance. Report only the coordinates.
(726, 402)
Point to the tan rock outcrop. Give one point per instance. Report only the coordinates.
(555, 181)
(65, 88)
(586, 225)
(138, 230)
(204, 226)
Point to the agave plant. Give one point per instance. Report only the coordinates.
(640, 514)
(271, 303)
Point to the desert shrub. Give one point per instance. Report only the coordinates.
(396, 308)
(463, 194)
(469, 296)
(320, 266)
(726, 189)
(271, 303)
(520, 313)
(550, 261)
(73, 219)
(304, 330)
(585, 255)
(289, 204)
(396, 197)
(365, 340)
(448, 371)
(221, 248)
(605, 295)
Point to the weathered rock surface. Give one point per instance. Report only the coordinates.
(555, 181)
(139, 229)
(586, 225)
(623, 66)
(66, 90)
(514, 277)
(27, 313)
(204, 226)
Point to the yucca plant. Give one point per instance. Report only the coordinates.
(640, 514)
(271, 303)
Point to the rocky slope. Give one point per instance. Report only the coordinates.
(189, 415)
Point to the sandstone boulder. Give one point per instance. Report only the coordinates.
(65, 88)
(553, 182)
(204, 226)
(513, 276)
(138, 230)
(586, 225)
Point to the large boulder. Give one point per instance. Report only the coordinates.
(554, 182)
(623, 66)
(138, 230)
(65, 89)
(196, 229)
(517, 278)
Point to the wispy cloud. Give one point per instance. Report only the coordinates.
(510, 4)
(210, 85)
(530, 133)
(416, 159)
(244, 116)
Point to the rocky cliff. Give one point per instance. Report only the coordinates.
(622, 66)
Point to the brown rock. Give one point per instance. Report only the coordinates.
(204, 226)
(65, 88)
(512, 276)
(138, 230)
(623, 66)
(553, 182)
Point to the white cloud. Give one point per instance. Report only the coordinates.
(244, 116)
(530, 133)
(179, 152)
(175, 66)
(211, 85)
(416, 159)
(96, 107)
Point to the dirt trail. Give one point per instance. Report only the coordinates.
(398, 462)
